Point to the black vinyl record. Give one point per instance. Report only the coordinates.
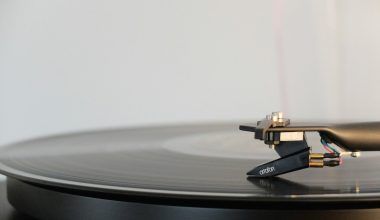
(190, 163)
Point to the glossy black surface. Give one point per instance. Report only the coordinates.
(46, 204)
(193, 162)
(7, 212)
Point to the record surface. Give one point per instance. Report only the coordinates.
(192, 162)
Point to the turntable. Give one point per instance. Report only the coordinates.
(193, 171)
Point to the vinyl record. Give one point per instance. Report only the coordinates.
(205, 162)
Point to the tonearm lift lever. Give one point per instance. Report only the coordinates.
(289, 141)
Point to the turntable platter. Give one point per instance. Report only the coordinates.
(191, 162)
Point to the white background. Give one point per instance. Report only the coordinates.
(68, 65)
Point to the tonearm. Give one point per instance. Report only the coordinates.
(289, 141)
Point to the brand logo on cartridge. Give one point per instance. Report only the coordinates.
(266, 170)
